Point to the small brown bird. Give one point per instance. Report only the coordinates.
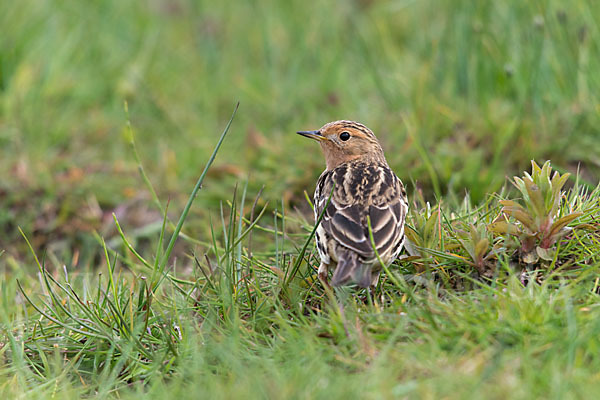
(362, 188)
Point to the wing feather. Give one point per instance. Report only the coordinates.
(346, 216)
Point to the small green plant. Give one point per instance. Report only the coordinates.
(423, 231)
(538, 221)
(475, 241)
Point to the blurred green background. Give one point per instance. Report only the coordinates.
(461, 93)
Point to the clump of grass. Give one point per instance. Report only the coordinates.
(115, 334)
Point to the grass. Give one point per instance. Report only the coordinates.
(100, 300)
(244, 323)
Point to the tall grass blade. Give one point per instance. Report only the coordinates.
(187, 207)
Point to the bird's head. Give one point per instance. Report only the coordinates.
(344, 141)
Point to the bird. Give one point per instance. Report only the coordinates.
(356, 190)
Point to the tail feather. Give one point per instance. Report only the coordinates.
(362, 275)
(350, 269)
(343, 272)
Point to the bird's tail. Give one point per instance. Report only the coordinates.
(350, 269)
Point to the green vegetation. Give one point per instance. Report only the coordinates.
(497, 297)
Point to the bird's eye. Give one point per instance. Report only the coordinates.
(345, 136)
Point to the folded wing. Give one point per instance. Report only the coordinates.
(347, 223)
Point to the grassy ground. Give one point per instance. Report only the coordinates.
(462, 95)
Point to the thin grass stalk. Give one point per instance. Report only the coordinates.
(187, 207)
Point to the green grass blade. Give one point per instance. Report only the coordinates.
(187, 207)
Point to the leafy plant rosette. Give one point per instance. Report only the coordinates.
(538, 221)
(474, 239)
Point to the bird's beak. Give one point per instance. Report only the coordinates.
(312, 135)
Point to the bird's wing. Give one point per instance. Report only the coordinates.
(387, 224)
(344, 223)
(345, 218)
